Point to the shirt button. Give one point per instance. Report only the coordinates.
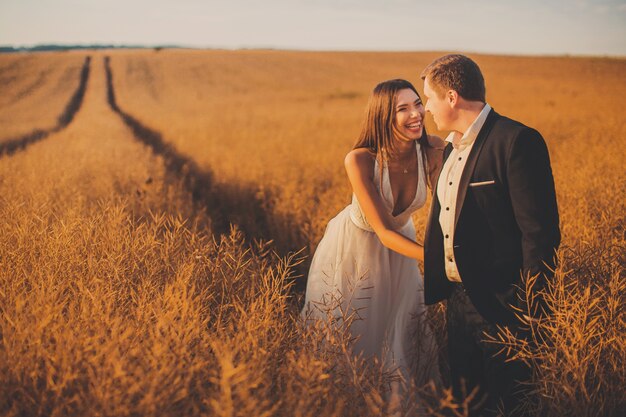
(447, 208)
(449, 259)
(460, 158)
(447, 236)
(450, 183)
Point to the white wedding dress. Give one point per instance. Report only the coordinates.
(352, 273)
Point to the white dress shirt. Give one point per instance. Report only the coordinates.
(448, 187)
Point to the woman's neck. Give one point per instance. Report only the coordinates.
(403, 150)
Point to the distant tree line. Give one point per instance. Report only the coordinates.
(55, 47)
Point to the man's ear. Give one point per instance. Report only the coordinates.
(452, 98)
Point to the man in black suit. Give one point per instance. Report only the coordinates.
(493, 220)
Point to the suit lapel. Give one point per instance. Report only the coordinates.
(446, 153)
(471, 162)
(435, 208)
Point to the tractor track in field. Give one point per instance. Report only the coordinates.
(225, 204)
(30, 88)
(10, 146)
(8, 72)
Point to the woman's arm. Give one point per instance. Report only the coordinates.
(359, 165)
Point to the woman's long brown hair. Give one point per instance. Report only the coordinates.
(379, 128)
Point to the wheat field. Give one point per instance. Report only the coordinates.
(35, 88)
(154, 242)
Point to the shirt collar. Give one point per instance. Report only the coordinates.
(472, 131)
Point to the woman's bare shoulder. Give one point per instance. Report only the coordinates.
(360, 158)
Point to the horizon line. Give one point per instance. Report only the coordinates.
(41, 47)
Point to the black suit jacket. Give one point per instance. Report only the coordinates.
(502, 229)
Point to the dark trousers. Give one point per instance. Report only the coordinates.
(476, 363)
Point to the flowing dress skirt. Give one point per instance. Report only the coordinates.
(353, 275)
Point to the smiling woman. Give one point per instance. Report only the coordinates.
(365, 272)
(409, 115)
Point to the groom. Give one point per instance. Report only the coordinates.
(493, 220)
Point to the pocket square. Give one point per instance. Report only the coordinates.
(480, 184)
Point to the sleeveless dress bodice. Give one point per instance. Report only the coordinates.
(402, 219)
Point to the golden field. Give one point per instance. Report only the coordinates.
(283, 121)
(35, 89)
(123, 291)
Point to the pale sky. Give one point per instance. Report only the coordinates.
(578, 27)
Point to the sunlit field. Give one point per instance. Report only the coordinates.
(153, 249)
(35, 90)
(283, 121)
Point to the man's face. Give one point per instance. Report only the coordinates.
(440, 107)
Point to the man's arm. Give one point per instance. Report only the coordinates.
(531, 188)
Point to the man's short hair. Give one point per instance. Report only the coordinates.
(456, 72)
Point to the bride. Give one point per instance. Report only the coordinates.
(365, 266)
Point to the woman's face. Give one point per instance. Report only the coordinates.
(409, 114)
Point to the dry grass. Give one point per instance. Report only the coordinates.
(35, 89)
(294, 115)
(116, 299)
(577, 352)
